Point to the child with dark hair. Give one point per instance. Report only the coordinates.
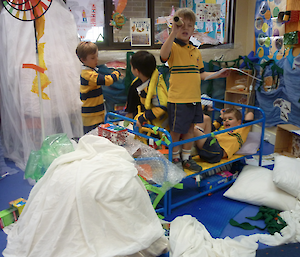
(92, 110)
(152, 89)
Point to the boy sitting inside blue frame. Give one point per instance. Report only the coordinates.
(213, 149)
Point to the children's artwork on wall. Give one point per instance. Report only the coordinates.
(166, 19)
(140, 31)
(210, 17)
(89, 18)
(285, 108)
(118, 19)
(268, 31)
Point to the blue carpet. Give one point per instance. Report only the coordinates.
(213, 211)
(289, 250)
(12, 187)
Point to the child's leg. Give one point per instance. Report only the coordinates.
(188, 162)
(187, 147)
(206, 125)
(176, 150)
(176, 159)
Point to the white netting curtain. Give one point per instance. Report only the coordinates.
(20, 108)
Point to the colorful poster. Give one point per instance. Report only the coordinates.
(89, 17)
(210, 18)
(208, 12)
(140, 31)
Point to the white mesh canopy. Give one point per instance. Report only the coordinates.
(20, 107)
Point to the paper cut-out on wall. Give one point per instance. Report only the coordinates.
(166, 19)
(118, 19)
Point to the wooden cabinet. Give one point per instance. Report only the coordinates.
(240, 88)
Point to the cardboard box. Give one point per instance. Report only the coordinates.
(215, 180)
(287, 140)
(8, 216)
(19, 204)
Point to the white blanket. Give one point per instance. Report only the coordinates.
(189, 238)
(90, 202)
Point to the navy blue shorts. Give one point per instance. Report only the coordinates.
(182, 116)
(211, 153)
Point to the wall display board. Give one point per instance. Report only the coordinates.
(210, 16)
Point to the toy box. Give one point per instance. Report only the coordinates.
(215, 180)
(115, 133)
(19, 204)
(8, 216)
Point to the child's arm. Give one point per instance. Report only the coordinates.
(166, 47)
(158, 104)
(152, 114)
(222, 75)
(219, 121)
(249, 116)
(109, 79)
(106, 80)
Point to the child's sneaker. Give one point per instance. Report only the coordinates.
(191, 165)
(178, 163)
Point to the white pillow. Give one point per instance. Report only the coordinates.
(254, 185)
(286, 174)
(251, 145)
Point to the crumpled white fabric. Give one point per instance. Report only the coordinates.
(189, 238)
(90, 202)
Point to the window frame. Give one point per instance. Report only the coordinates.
(109, 44)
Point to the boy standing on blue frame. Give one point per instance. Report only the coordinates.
(184, 95)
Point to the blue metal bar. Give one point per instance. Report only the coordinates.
(168, 206)
(261, 120)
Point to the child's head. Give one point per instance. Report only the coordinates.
(187, 29)
(186, 14)
(87, 53)
(143, 64)
(232, 117)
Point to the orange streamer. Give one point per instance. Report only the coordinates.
(121, 6)
(33, 66)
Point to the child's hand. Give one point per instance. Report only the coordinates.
(225, 73)
(138, 124)
(175, 28)
(210, 108)
(222, 113)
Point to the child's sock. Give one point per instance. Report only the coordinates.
(176, 155)
(185, 154)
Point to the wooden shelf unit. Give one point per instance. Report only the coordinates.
(234, 93)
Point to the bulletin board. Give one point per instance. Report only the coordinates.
(210, 16)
